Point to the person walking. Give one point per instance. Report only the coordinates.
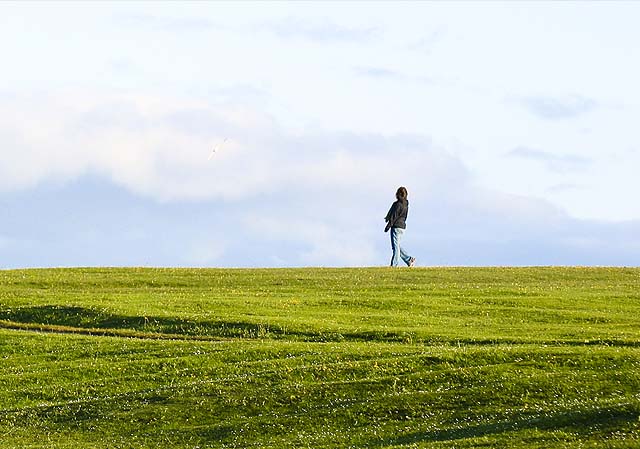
(396, 222)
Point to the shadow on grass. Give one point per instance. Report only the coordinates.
(73, 318)
(87, 320)
(578, 421)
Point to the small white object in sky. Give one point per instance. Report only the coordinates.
(216, 148)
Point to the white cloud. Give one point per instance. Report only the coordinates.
(555, 162)
(160, 147)
(324, 242)
(320, 29)
(564, 187)
(166, 23)
(140, 142)
(379, 72)
(312, 198)
(426, 44)
(552, 108)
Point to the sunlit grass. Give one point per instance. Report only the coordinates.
(456, 357)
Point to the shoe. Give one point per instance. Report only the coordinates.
(412, 262)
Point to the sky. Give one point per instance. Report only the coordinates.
(513, 126)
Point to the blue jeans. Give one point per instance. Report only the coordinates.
(397, 251)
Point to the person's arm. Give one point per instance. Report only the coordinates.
(392, 216)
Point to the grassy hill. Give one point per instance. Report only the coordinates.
(373, 357)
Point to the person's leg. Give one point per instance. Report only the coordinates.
(405, 257)
(396, 235)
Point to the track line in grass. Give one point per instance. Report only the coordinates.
(75, 365)
(111, 332)
(310, 337)
(137, 394)
(241, 377)
(589, 414)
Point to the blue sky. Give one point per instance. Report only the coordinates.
(513, 126)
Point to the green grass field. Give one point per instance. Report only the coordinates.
(372, 357)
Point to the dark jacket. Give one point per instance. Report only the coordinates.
(397, 215)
